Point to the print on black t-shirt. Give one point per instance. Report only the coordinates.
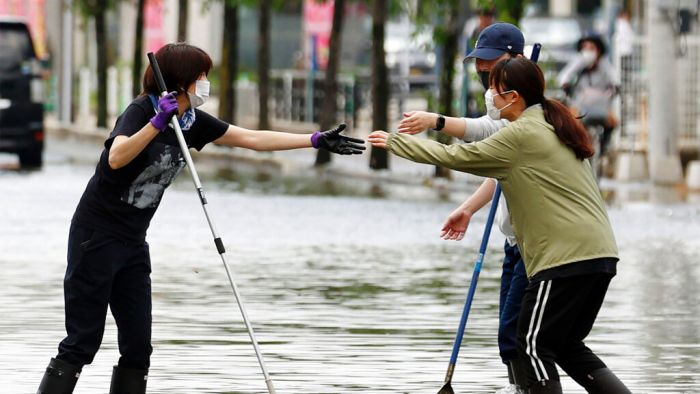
(147, 189)
(122, 201)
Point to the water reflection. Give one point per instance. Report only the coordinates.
(347, 294)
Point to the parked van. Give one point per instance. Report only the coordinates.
(21, 94)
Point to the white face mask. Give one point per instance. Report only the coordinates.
(589, 56)
(491, 110)
(201, 93)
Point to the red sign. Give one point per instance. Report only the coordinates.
(153, 14)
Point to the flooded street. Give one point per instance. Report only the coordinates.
(346, 294)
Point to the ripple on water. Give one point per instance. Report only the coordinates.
(346, 295)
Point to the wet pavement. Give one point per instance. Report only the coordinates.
(346, 293)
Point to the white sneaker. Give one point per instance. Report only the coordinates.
(510, 389)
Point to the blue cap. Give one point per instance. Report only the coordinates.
(496, 40)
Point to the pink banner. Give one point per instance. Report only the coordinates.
(154, 36)
(318, 22)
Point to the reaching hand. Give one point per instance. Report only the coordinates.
(415, 122)
(456, 225)
(378, 139)
(332, 141)
(167, 107)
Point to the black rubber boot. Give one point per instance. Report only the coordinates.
(511, 378)
(59, 378)
(546, 387)
(515, 375)
(128, 381)
(603, 381)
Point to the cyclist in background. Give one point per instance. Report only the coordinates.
(590, 83)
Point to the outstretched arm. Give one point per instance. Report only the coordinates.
(492, 157)
(466, 129)
(265, 140)
(414, 122)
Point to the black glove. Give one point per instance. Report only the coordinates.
(332, 141)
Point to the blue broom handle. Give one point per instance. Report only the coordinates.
(475, 275)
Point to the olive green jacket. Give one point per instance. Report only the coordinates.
(556, 209)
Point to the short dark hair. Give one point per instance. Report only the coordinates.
(181, 64)
(525, 77)
(595, 39)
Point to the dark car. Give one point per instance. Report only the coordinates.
(21, 91)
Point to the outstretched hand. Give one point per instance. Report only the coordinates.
(378, 139)
(456, 225)
(333, 141)
(414, 122)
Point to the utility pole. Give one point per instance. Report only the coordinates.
(664, 159)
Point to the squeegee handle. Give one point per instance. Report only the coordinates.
(160, 82)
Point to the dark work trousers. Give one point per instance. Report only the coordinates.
(513, 284)
(102, 271)
(556, 317)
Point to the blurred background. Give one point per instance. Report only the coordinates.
(277, 62)
(346, 281)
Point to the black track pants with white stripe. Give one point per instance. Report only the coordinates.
(555, 318)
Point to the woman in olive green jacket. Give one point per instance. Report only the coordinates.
(558, 216)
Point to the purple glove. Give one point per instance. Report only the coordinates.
(334, 142)
(167, 107)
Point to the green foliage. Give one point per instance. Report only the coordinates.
(276, 4)
(433, 14)
(396, 7)
(506, 10)
(89, 8)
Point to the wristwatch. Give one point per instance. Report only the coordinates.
(440, 123)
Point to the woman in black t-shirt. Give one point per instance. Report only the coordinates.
(108, 258)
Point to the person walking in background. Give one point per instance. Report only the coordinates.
(558, 216)
(108, 257)
(496, 42)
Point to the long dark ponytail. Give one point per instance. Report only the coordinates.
(525, 77)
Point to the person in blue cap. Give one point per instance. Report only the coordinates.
(496, 42)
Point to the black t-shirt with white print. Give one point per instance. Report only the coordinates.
(122, 202)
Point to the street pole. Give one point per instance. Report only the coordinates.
(66, 55)
(663, 156)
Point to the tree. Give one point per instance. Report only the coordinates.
(182, 16)
(329, 109)
(138, 49)
(265, 9)
(508, 10)
(451, 17)
(229, 62)
(379, 158)
(448, 36)
(97, 9)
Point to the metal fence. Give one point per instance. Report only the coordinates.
(297, 96)
(634, 94)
